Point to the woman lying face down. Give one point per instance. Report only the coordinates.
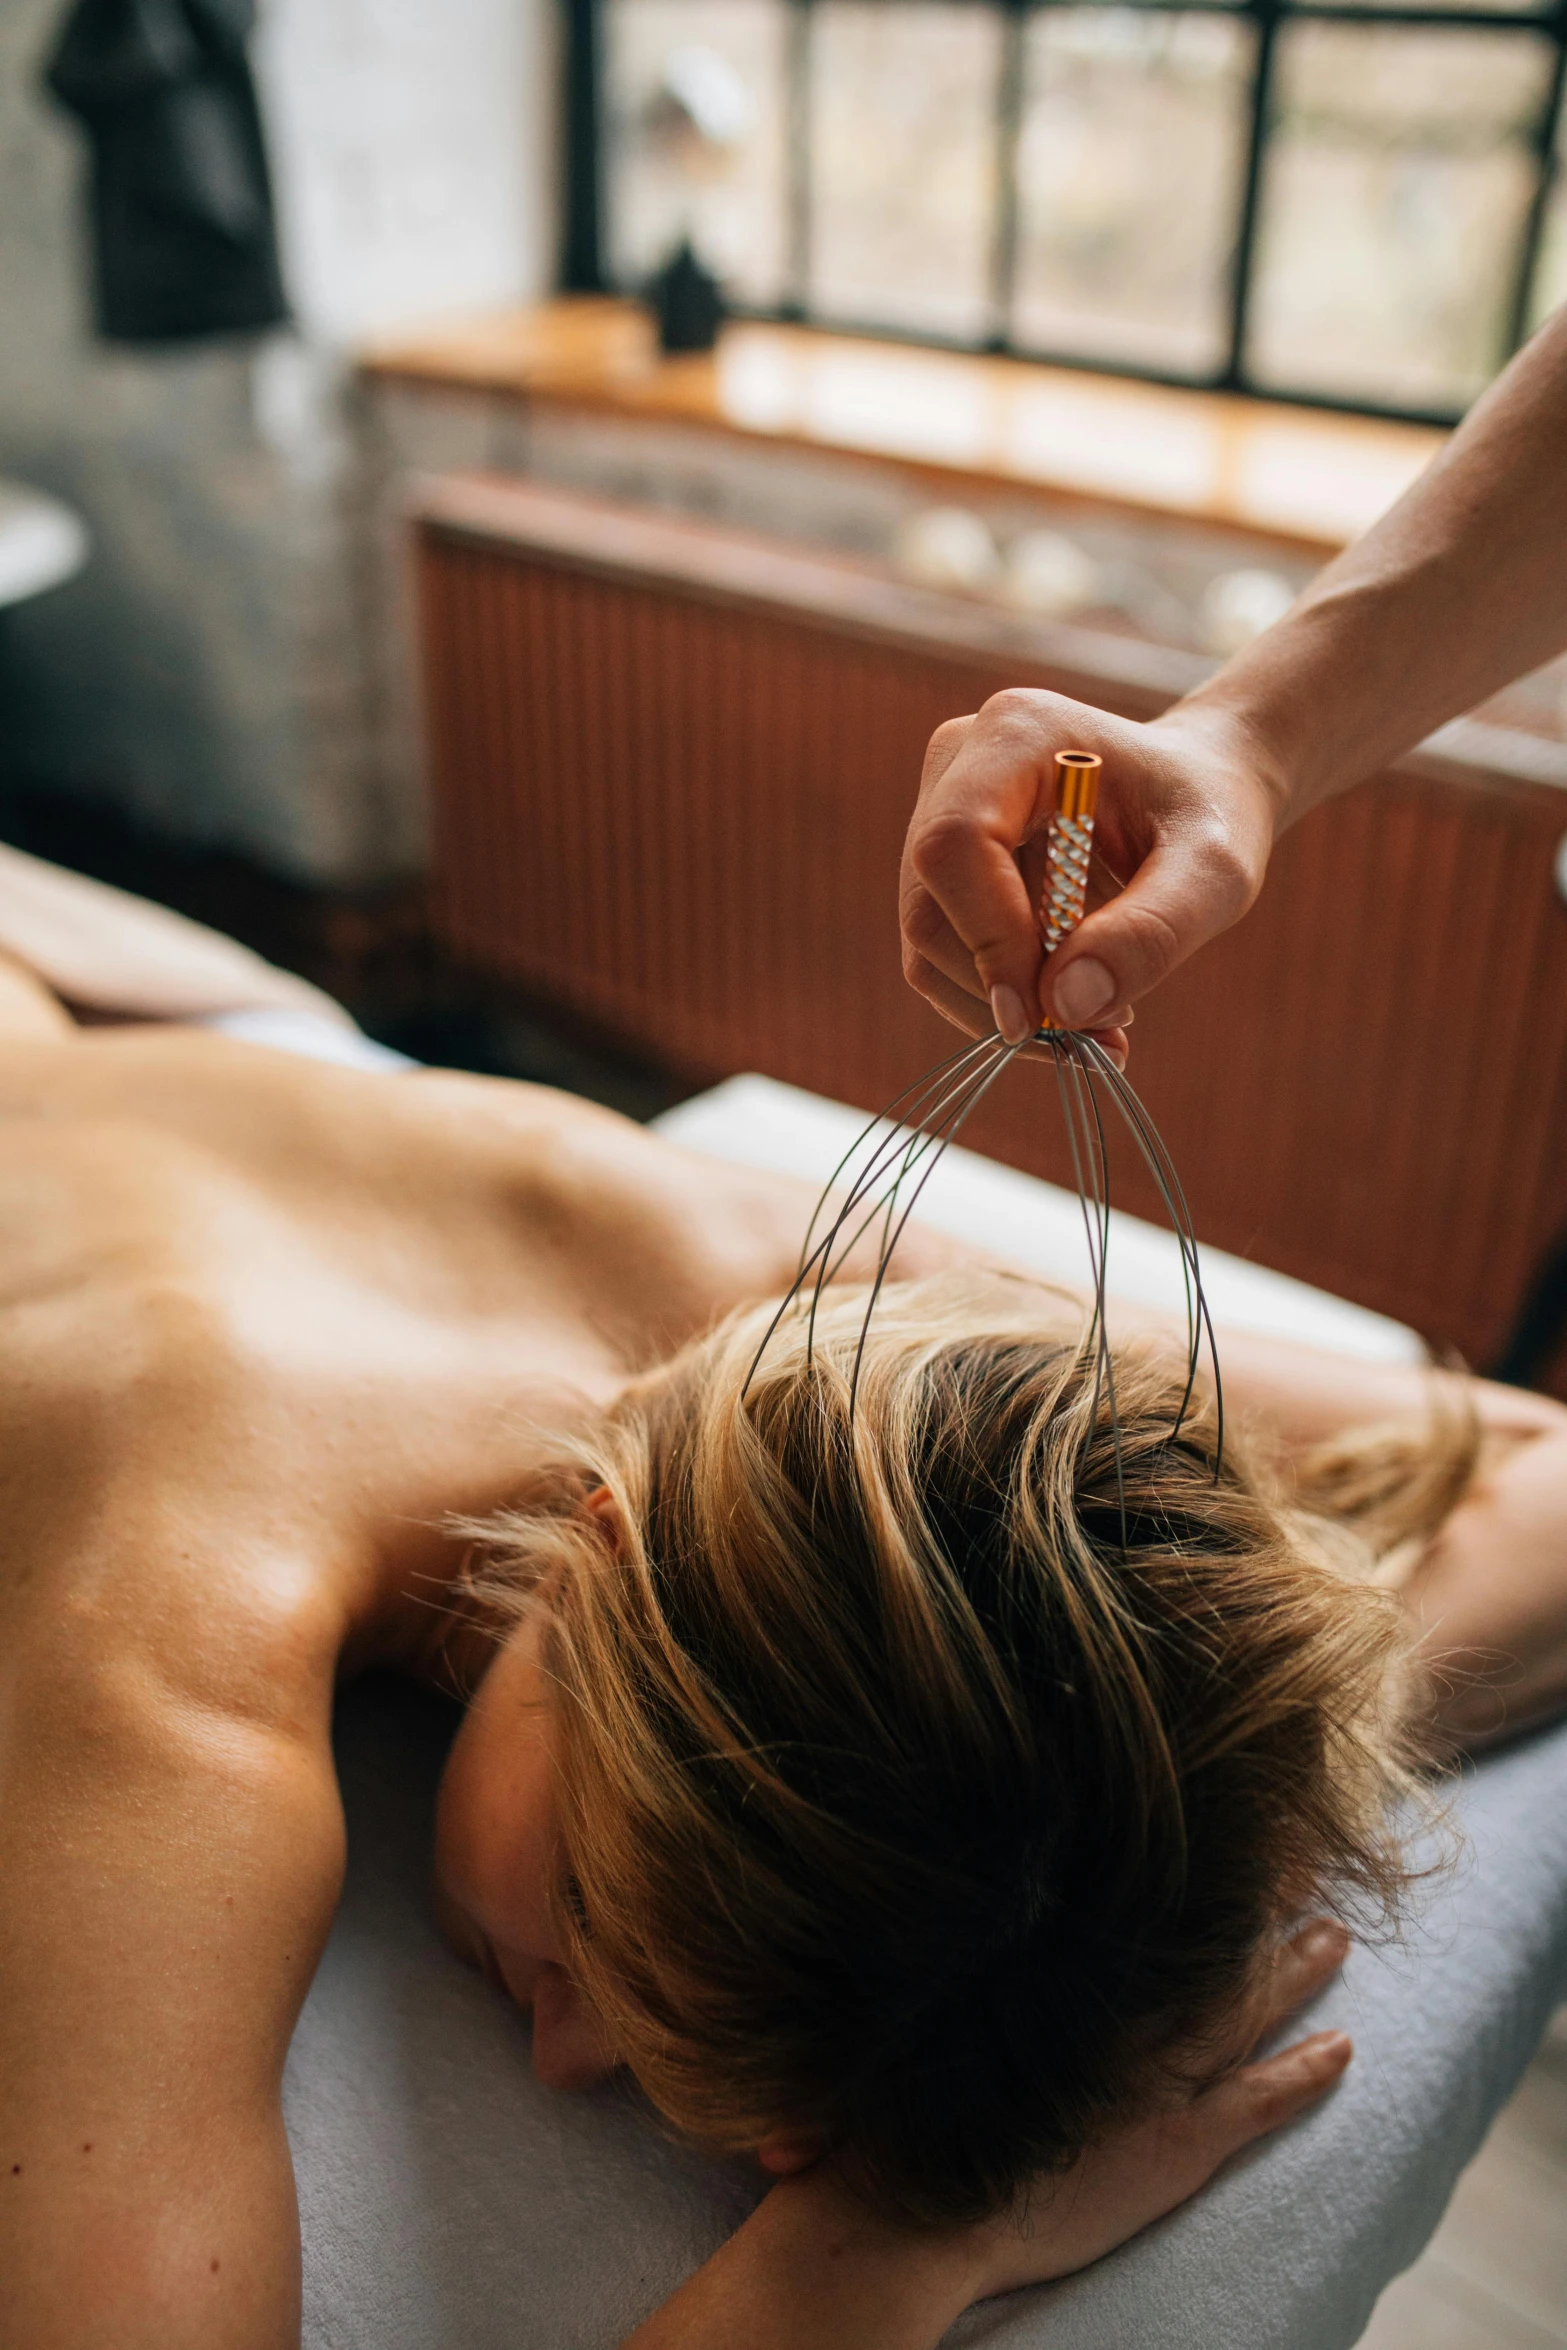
(851, 1780)
(848, 1783)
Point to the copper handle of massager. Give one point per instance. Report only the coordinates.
(1068, 845)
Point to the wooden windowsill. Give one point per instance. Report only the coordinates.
(1299, 473)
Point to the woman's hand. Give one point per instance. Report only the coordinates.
(814, 2268)
(1185, 821)
(1135, 2177)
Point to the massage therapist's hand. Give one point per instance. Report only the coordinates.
(1185, 820)
(1458, 589)
(814, 2268)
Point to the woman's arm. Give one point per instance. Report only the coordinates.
(1303, 1395)
(170, 1852)
(814, 2269)
(1490, 1593)
(106, 951)
(1460, 588)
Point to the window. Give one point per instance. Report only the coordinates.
(1363, 205)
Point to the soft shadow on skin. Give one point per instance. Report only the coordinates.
(447, 2201)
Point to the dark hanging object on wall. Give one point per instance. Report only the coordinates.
(184, 238)
(689, 302)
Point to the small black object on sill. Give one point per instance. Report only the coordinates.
(688, 302)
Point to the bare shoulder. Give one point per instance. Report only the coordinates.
(140, 1424)
(674, 1236)
(681, 1236)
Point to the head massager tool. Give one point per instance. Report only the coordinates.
(879, 1179)
(1069, 846)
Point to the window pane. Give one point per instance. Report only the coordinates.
(1550, 283)
(1456, 7)
(1129, 162)
(903, 164)
(1398, 180)
(696, 115)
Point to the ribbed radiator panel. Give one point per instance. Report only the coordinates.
(680, 813)
(656, 823)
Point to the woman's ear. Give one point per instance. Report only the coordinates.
(783, 2152)
(600, 1504)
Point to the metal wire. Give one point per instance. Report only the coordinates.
(1156, 1158)
(894, 1156)
(919, 1125)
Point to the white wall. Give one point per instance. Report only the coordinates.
(208, 667)
(413, 142)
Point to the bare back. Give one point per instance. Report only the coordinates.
(262, 1325)
(384, 1275)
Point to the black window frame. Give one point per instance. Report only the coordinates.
(583, 196)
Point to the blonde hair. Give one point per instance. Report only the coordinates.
(901, 1801)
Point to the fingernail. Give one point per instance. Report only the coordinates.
(1084, 990)
(1337, 2045)
(1006, 1009)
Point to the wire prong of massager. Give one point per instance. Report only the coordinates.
(1068, 846)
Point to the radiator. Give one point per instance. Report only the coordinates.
(670, 772)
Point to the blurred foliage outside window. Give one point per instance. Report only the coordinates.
(1320, 201)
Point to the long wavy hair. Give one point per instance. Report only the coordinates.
(912, 1794)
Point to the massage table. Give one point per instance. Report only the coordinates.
(447, 2202)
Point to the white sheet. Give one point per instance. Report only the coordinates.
(287, 1028)
(760, 1123)
(448, 2203)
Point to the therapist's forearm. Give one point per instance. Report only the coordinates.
(1459, 589)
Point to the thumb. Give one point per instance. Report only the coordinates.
(1190, 886)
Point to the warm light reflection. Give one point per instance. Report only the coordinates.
(1315, 476)
(1297, 478)
(1087, 437)
(1323, 477)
